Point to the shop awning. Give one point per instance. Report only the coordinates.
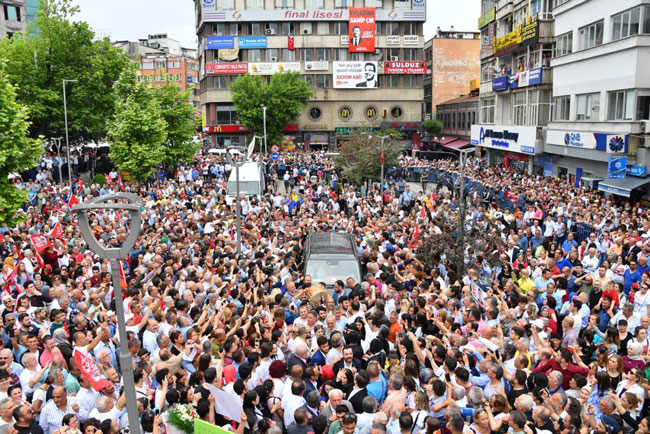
(445, 140)
(622, 187)
(457, 144)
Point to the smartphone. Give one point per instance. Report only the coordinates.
(156, 411)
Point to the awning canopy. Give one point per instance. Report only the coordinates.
(457, 144)
(622, 187)
(445, 140)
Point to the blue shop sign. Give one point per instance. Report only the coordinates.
(532, 77)
(251, 42)
(640, 171)
(500, 84)
(221, 42)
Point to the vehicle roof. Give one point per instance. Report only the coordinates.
(250, 171)
(330, 243)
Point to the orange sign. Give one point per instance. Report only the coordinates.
(361, 29)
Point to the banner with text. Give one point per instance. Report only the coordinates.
(272, 68)
(415, 68)
(361, 30)
(351, 75)
(226, 68)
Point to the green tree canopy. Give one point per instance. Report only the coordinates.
(360, 158)
(18, 151)
(179, 115)
(62, 49)
(432, 127)
(285, 95)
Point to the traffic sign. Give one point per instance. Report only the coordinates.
(275, 155)
(275, 149)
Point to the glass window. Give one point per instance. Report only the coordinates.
(323, 80)
(646, 19)
(588, 106)
(288, 28)
(378, 27)
(322, 54)
(257, 29)
(487, 110)
(226, 5)
(562, 108)
(254, 4)
(323, 28)
(409, 81)
(591, 35)
(409, 54)
(271, 54)
(342, 4)
(306, 54)
(305, 29)
(341, 28)
(374, 4)
(392, 28)
(389, 80)
(402, 4)
(309, 79)
(626, 24)
(219, 29)
(341, 54)
(147, 64)
(221, 82)
(564, 44)
(357, 57)
(488, 71)
(392, 54)
(643, 105)
(621, 105)
(410, 28)
(254, 55)
(288, 55)
(272, 28)
(519, 108)
(283, 4)
(235, 29)
(314, 4)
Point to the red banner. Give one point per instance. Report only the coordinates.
(73, 201)
(109, 180)
(57, 231)
(361, 28)
(40, 242)
(291, 43)
(405, 67)
(90, 370)
(226, 68)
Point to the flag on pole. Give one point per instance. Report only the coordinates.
(40, 242)
(57, 231)
(2, 238)
(109, 180)
(382, 156)
(80, 187)
(509, 195)
(90, 371)
(123, 283)
(73, 201)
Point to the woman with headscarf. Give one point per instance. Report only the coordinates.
(634, 357)
(62, 342)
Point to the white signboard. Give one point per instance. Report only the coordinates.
(211, 14)
(355, 75)
(272, 68)
(506, 138)
(578, 139)
(345, 40)
(317, 66)
(393, 39)
(411, 39)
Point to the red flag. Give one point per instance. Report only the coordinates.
(90, 371)
(123, 283)
(119, 178)
(81, 186)
(57, 231)
(11, 277)
(73, 201)
(423, 213)
(2, 239)
(109, 180)
(291, 43)
(509, 195)
(40, 242)
(382, 156)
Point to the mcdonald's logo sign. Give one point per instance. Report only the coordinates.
(345, 112)
(371, 112)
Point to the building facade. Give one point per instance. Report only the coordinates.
(457, 116)
(161, 59)
(363, 59)
(454, 59)
(13, 17)
(600, 111)
(516, 82)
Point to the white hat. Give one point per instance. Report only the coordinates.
(539, 323)
(467, 348)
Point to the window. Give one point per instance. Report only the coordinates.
(12, 13)
(488, 71)
(626, 24)
(341, 28)
(621, 105)
(147, 64)
(562, 108)
(402, 4)
(254, 55)
(392, 53)
(219, 29)
(389, 80)
(342, 4)
(257, 29)
(519, 108)
(487, 110)
(374, 4)
(539, 107)
(314, 4)
(272, 28)
(225, 5)
(409, 81)
(174, 64)
(288, 55)
(322, 54)
(284, 4)
(378, 27)
(323, 80)
(306, 54)
(557, 3)
(588, 106)
(357, 57)
(254, 4)
(410, 28)
(409, 54)
(226, 114)
(221, 82)
(643, 105)
(520, 16)
(564, 44)
(323, 28)
(341, 54)
(272, 54)
(309, 79)
(288, 28)
(160, 64)
(646, 19)
(591, 35)
(392, 28)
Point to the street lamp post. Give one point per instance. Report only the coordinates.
(131, 203)
(382, 162)
(65, 118)
(56, 141)
(237, 161)
(266, 149)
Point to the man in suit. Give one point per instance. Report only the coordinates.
(319, 357)
(348, 361)
(370, 75)
(335, 399)
(312, 405)
(359, 392)
(356, 36)
(299, 357)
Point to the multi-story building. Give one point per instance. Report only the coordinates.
(601, 90)
(364, 60)
(515, 96)
(15, 15)
(161, 59)
(457, 116)
(454, 62)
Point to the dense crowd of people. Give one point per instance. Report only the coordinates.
(543, 333)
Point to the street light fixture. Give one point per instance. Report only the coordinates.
(65, 117)
(382, 159)
(237, 161)
(132, 204)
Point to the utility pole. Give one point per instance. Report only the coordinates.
(266, 148)
(65, 117)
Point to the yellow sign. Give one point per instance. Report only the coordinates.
(371, 112)
(201, 427)
(508, 41)
(487, 18)
(345, 113)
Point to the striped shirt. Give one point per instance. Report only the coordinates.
(52, 417)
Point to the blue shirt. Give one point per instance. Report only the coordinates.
(569, 245)
(630, 278)
(564, 263)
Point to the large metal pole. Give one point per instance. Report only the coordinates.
(57, 143)
(238, 211)
(266, 149)
(382, 164)
(65, 118)
(126, 361)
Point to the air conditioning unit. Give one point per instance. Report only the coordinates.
(270, 31)
(274, 59)
(306, 32)
(394, 58)
(646, 127)
(645, 142)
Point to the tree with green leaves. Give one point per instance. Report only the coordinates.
(63, 49)
(359, 159)
(285, 95)
(179, 115)
(432, 127)
(18, 151)
(138, 131)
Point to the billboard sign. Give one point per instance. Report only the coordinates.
(251, 42)
(393, 39)
(265, 15)
(411, 39)
(361, 27)
(507, 138)
(272, 68)
(408, 68)
(530, 33)
(221, 42)
(355, 75)
(226, 68)
(321, 65)
(487, 18)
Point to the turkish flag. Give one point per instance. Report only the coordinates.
(40, 242)
(81, 186)
(11, 277)
(423, 213)
(73, 201)
(382, 156)
(57, 231)
(509, 195)
(109, 179)
(123, 283)
(90, 371)
(2, 239)
(291, 43)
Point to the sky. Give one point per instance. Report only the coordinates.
(135, 19)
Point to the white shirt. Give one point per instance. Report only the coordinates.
(290, 404)
(112, 414)
(149, 341)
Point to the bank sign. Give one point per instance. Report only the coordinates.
(506, 138)
(610, 143)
